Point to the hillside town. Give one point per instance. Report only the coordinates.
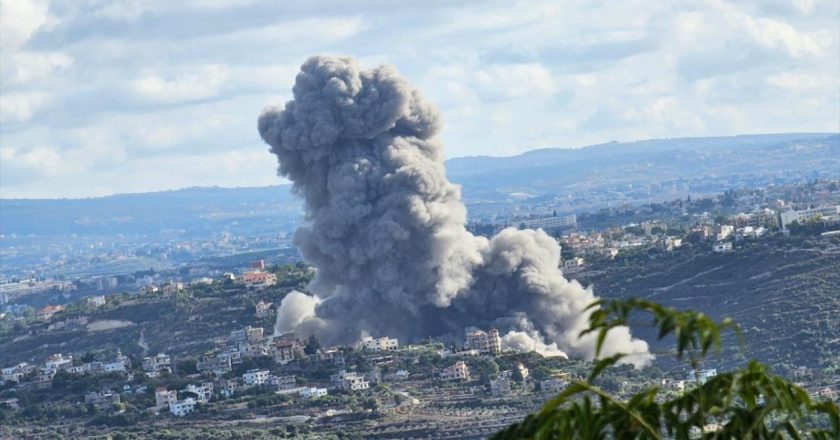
(722, 221)
(241, 368)
(468, 389)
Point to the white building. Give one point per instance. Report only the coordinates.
(182, 407)
(79, 369)
(379, 344)
(724, 232)
(114, 367)
(573, 265)
(725, 246)
(313, 392)
(457, 371)
(58, 362)
(676, 385)
(826, 213)
(255, 377)
(701, 375)
(349, 381)
(120, 364)
(204, 392)
(16, 373)
(549, 223)
(96, 301)
(155, 365)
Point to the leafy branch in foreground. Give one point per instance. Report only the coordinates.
(749, 403)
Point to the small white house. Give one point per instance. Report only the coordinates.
(255, 377)
(378, 344)
(203, 391)
(313, 393)
(182, 407)
(725, 246)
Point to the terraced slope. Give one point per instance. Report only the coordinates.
(785, 296)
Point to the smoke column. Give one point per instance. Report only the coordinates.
(385, 228)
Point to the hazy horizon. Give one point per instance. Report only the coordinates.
(284, 182)
(114, 97)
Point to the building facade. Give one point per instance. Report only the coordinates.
(485, 342)
(456, 371)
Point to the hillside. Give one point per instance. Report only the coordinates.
(784, 294)
(187, 322)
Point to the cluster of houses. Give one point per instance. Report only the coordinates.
(751, 225)
(501, 383)
(42, 375)
(247, 343)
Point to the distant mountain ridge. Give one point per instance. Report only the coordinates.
(616, 166)
(611, 169)
(189, 209)
(469, 165)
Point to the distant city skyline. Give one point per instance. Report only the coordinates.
(103, 97)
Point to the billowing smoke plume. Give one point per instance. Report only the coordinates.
(385, 228)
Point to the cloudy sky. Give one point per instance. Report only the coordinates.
(100, 97)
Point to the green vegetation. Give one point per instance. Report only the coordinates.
(749, 402)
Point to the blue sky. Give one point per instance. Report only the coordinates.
(99, 97)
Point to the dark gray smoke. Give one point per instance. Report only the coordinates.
(385, 228)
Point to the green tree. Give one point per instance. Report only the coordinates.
(186, 366)
(748, 403)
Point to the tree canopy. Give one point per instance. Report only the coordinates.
(747, 403)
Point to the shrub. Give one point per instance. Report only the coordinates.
(749, 402)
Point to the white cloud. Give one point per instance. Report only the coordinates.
(773, 34)
(130, 10)
(30, 66)
(28, 166)
(21, 106)
(37, 173)
(19, 20)
(802, 82)
(516, 80)
(133, 96)
(203, 82)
